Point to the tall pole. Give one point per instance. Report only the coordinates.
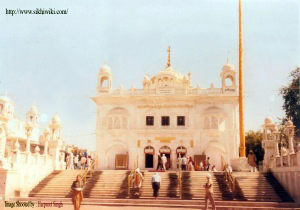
(241, 87)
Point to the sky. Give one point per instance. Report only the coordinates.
(52, 61)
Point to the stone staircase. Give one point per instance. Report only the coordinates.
(259, 187)
(168, 187)
(193, 181)
(107, 184)
(110, 187)
(57, 184)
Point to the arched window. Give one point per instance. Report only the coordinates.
(110, 123)
(206, 123)
(124, 122)
(229, 80)
(117, 123)
(1, 108)
(104, 82)
(214, 123)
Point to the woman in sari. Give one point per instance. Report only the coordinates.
(138, 177)
(77, 195)
(191, 164)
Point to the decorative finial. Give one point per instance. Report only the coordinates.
(228, 57)
(169, 57)
(105, 62)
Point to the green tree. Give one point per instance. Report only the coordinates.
(291, 98)
(253, 142)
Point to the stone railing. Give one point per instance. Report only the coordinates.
(286, 169)
(23, 171)
(288, 160)
(165, 90)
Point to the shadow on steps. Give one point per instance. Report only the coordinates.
(91, 184)
(123, 191)
(227, 194)
(173, 184)
(278, 188)
(47, 179)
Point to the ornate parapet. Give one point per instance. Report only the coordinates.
(170, 91)
(289, 160)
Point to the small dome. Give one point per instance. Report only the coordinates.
(169, 68)
(268, 120)
(228, 66)
(47, 130)
(5, 98)
(289, 122)
(33, 109)
(105, 69)
(146, 77)
(56, 119)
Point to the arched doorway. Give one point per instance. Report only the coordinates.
(215, 150)
(149, 154)
(180, 151)
(167, 151)
(117, 157)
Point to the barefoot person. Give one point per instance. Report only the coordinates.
(77, 195)
(209, 192)
(156, 180)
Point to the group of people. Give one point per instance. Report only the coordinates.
(186, 163)
(79, 161)
(162, 162)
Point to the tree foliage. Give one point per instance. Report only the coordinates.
(253, 142)
(291, 98)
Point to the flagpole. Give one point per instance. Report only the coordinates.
(241, 86)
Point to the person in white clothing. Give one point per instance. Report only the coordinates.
(71, 161)
(76, 161)
(164, 161)
(156, 180)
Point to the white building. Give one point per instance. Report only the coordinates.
(169, 116)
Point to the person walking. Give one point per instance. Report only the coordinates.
(191, 164)
(77, 195)
(68, 162)
(201, 166)
(138, 178)
(159, 162)
(71, 161)
(179, 161)
(252, 161)
(184, 163)
(156, 180)
(76, 162)
(209, 192)
(207, 163)
(164, 161)
(82, 162)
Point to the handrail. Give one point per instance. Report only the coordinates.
(131, 175)
(89, 169)
(180, 177)
(228, 176)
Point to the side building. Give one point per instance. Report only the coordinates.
(168, 116)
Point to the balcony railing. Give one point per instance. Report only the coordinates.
(166, 91)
